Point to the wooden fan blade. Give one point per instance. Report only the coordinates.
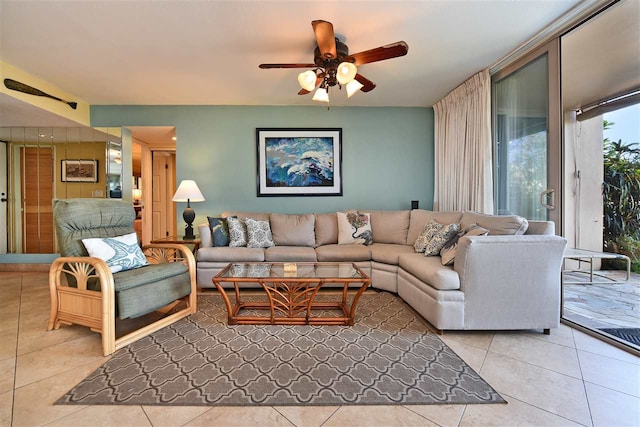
(381, 53)
(267, 66)
(21, 87)
(318, 81)
(367, 85)
(326, 38)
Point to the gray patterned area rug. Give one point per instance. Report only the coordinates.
(388, 357)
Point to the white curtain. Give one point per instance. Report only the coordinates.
(463, 165)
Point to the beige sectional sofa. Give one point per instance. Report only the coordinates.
(509, 279)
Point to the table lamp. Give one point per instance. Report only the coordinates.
(188, 191)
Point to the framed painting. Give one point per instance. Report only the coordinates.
(79, 171)
(299, 162)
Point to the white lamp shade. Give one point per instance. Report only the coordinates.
(321, 95)
(188, 191)
(346, 72)
(352, 87)
(136, 193)
(307, 80)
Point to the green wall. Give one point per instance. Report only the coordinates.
(387, 153)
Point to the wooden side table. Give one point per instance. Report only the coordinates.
(179, 240)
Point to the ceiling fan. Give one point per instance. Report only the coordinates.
(332, 65)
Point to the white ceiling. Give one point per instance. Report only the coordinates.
(207, 52)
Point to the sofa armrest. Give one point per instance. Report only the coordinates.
(510, 280)
(206, 238)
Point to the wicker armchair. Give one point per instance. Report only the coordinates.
(84, 291)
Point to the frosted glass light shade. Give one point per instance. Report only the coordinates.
(321, 95)
(346, 72)
(307, 80)
(188, 191)
(137, 194)
(352, 87)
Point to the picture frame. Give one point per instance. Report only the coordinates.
(73, 170)
(299, 162)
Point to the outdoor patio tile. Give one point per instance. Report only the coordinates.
(372, 416)
(307, 416)
(473, 356)
(168, 416)
(612, 408)
(547, 355)
(516, 413)
(443, 415)
(556, 393)
(611, 373)
(95, 416)
(594, 345)
(244, 416)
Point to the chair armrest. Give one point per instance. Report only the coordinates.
(158, 253)
(206, 238)
(509, 279)
(82, 269)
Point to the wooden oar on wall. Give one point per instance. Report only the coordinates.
(21, 87)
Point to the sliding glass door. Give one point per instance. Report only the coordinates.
(526, 127)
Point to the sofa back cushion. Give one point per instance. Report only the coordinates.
(258, 216)
(498, 225)
(293, 230)
(420, 218)
(547, 228)
(390, 226)
(326, 229)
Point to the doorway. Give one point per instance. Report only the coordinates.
(526, 128)
(36, 187)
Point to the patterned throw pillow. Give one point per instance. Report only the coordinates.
(440, 238)
(448, 251)
(258, 233)
(237, 232)
(354, 228)
(120, 253)
(428, 231)
(219, 231)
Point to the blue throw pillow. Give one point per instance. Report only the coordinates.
(219, 231)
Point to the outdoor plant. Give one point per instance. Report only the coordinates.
(621, 193)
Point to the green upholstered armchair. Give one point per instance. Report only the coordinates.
(84, 290)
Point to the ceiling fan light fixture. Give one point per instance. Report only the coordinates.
(321, 95)
(346, 72)
(307, 80)
(352, 87)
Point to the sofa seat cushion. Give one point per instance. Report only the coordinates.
(388, 253)
(149, 274)
(431, 271)
(227, 254)
(343, 253)
(290, 254)
(140, 300)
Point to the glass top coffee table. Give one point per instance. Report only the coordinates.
(292, 293)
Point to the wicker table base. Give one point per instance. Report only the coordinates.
(293, 300)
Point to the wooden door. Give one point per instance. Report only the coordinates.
(37, 193)
(163, 188)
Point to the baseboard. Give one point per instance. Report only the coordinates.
(24, 267)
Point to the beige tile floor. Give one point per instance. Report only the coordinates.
(567, 378)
